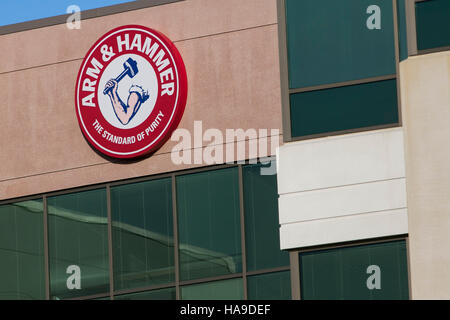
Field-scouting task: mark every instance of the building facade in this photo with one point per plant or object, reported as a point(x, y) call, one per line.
point(310, 161)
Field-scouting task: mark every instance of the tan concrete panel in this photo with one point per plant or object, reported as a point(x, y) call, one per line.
point(425, 87)
point(179, 21)
point(107, 172)
point(234, 80)
point(233, 83)
point(40, 123)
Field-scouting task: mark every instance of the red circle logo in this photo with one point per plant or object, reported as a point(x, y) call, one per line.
point(131, 92)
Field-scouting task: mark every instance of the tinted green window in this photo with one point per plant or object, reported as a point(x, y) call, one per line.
point(343, 108)
point(22, 275)
point(433, 24)
point(161, 294)
point(217, 290)
point(143, 247)
point(271, 286)
point(349, 273)
point(209, 224)
point(262, 237)
point(78, 238)
point(329, 41)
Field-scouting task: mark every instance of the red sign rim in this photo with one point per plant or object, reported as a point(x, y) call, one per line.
point(177, 109)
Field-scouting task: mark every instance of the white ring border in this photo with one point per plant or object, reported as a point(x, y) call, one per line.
point(82, 73)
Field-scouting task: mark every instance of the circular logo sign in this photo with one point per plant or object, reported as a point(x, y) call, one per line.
point(131, 92)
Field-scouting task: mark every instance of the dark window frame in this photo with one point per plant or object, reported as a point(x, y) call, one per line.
point(286, 91)
point(40, 253)
point(161, 285)
point(412, 31)
point(47, 236)
point(295, 260)
point(177, 283)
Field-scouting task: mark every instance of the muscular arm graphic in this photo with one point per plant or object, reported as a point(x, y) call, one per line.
point(124, 112)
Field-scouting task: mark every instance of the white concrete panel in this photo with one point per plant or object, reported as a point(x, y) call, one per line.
point(341, 201)
point(341, 160)
point(342, 229)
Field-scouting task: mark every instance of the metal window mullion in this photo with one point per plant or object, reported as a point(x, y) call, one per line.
point(110, 246)
point(433, 50)
point(344, 83)
point(397, 61)
point(408, 266)
point(354, 243)
point(269, 270)
point(76, 190)
point(140, 179)
point(115, 183)
point(211, 279)
point(144, 289)
point(295, 275)
point(284, 71)
point(90, 297)
point(46, 249)
point(175, 238)
point(347, 131)
point(411, 31)
point(242, 218)
point(20, 199)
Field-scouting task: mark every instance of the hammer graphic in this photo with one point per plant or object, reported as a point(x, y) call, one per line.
point(130, 69)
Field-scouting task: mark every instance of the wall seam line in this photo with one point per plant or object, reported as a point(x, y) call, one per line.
point(175, 42)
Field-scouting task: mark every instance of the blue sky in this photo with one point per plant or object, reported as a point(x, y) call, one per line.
point(15, 11)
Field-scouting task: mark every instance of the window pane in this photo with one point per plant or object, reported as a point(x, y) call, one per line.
point(344, 108)
point(271, 286)
point(377, 271)
point(161, 294)
point(262, 237)
point(329, 41)
point(142, 234)
point(78, 244)
point(22, 274)
point(209, 224)
point(433, 24)
point(217, 290)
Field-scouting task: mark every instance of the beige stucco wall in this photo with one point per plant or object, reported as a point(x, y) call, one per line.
point(230, 49)
point(425, 87)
